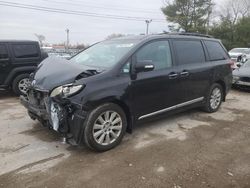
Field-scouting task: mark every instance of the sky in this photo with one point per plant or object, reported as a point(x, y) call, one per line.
point(20, 23)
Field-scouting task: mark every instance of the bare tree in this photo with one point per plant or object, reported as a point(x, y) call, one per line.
point(41, 38)
point(236, 9)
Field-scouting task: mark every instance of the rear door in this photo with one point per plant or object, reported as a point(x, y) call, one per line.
point(193, 67)
point(4, 62)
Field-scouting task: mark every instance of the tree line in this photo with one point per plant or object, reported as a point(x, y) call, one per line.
point(228, 21)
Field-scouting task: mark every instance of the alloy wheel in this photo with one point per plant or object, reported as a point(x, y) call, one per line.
point(107, 128)
point(215, 98)
point(23, 85)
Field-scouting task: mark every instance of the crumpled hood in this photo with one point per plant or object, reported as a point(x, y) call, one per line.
point(53, 72)
point(242, 72)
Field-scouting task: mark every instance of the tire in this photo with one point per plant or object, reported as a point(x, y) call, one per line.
point(16, 84)
point(214, 98)
point(93, 126)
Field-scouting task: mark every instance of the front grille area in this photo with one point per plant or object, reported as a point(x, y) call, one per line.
point(245, 79)
point(37, 97)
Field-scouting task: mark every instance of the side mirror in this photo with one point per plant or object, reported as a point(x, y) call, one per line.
point(144, 66)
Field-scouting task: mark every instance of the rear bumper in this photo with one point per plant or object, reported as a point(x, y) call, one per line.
point(67, 119)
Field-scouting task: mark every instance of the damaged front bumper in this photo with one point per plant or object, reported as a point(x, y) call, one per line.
point(61, 115)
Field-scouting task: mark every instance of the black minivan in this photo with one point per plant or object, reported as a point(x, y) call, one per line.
point(99, 94)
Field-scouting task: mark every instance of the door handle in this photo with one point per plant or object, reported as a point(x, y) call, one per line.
point(184, 74)
point(173, 75)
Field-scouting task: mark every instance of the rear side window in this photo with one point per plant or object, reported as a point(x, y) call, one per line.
point(215, 51)
point(188, 51)
point(3, 52)
point(25, 50)
point(158, 52)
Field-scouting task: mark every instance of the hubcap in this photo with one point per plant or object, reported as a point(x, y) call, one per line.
point(23, 85)
point(107, 128)
point(215, 98)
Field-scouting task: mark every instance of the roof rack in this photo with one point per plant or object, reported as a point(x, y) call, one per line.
point(189, 34)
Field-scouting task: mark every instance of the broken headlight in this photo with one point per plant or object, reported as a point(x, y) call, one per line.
point(66, 90)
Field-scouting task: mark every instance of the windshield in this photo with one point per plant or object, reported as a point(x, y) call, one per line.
point(104, 54)
point(239, 50)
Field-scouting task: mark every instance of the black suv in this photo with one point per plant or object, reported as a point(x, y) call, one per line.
point(17, 60)
point(99, 94)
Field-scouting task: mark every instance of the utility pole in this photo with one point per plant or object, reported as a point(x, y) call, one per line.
point(67, 43)
point(147, 23)
point(210, 6)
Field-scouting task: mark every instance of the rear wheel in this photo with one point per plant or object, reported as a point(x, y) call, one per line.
point(105, 127)
point(214, 98)
point(20, 84)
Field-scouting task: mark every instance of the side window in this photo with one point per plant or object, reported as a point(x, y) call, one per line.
point(126, 68)
point(25, 50)
point(3, 52)
point(215, 51)
point(158, 52)
point(188, 51)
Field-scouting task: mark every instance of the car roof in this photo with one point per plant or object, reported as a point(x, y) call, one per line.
point(160, 36)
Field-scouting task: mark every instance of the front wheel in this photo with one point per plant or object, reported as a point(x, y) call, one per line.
point(214, 98)
point(20, 84)
point(105, 127)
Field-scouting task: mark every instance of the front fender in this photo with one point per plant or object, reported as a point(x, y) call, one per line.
point(16, 71)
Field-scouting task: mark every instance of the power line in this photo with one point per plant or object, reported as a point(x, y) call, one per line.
point(112, 6)
point(73, 12)
point(104, 7)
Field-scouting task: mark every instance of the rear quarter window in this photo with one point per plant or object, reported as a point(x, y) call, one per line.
point(215, 51)
point(25, 50)
point(189, 51)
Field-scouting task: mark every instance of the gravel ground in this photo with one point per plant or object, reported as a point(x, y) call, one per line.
point(190, 149)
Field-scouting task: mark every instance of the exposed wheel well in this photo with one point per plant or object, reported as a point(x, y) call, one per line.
point(19, 73)
point(127, 112)
point(223, 85)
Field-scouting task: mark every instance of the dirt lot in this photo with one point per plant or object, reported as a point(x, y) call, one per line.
point(191, 149)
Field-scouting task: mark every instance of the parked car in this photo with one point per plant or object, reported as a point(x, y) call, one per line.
point(103, 91)
point(240, 54)
point(247, 53)
point(61, 55)
point(241, 76)
point(17, 60)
